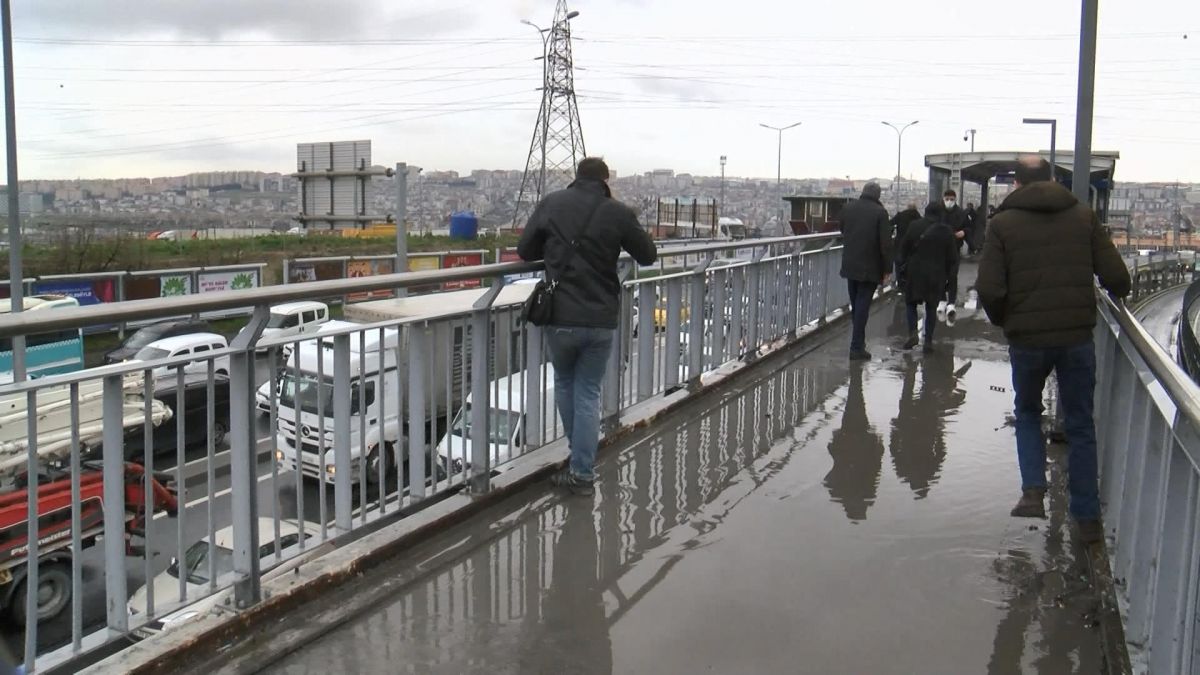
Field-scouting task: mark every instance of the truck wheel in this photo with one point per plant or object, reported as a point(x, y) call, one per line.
point(53, 593)
point(219, 431)
point(377, 461)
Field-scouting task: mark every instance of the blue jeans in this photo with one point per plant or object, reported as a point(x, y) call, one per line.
point(580, 358)
point(1076, 370)
point(861, 294)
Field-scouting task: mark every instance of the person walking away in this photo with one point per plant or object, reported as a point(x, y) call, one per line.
point(927, 257)
point(866, 260)
point(900, 223)
point(1041, 255)
point(956, 219)
point(580, 232)
point(971, 214)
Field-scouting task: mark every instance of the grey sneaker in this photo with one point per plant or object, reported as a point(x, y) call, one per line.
point(1031, 505)
point(572, 483)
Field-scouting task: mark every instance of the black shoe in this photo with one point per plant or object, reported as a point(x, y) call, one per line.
point(860, 355)
point(912, 341)
point(1091, 531)
point(572, 483)
point(928, 347)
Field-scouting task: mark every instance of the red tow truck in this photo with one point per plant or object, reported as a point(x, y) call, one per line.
point(54, 531)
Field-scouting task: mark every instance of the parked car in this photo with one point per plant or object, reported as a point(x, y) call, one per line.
point(195, 569)
point(155, 331)
point(193, 416)
point(194, 344)
point(295, 318)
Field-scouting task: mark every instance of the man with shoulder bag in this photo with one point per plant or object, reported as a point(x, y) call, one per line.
point(579, 232)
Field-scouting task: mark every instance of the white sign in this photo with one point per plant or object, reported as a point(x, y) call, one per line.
point(228, 281)
point(174, 284)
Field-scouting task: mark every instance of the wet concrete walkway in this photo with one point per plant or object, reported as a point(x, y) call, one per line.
point(1160, 317)
point(825, 518)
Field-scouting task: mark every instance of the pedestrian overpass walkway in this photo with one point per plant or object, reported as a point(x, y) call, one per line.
point(814, 516)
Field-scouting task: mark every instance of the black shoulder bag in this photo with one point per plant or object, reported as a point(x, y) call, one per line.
point(539, 308)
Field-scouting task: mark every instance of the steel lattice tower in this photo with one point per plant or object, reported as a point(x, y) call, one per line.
point(557, 143)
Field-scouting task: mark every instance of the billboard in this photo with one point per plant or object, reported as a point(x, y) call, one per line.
point(462, 260)
point(356, 269)
point(87, 292)
point(212, 282)
point(174, 284)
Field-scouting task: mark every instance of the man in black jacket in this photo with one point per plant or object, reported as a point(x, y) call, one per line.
point(956, 219)
point(580, 232)
point(1042, 255)
point(866, 260)
point(900, 223)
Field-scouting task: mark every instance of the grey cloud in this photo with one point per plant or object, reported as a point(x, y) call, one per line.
point(222, 19)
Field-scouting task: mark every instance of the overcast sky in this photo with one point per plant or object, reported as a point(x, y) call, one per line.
point(164, 87)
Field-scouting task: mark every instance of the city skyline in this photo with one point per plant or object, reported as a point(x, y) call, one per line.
point(170, 90)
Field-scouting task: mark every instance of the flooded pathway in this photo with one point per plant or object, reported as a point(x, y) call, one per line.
point(822, 518)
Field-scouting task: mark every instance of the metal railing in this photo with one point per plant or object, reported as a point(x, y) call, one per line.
point(221, 464)
point(1148, 431)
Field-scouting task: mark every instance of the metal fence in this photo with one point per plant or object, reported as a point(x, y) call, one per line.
point(1148, 429)
point(170, 486)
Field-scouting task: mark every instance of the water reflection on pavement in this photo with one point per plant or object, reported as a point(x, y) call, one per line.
point(763, 532)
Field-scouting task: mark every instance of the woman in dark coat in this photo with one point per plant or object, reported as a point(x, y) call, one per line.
point(927, 258)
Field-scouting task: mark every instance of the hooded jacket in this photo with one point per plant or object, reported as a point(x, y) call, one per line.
point(866, 237)
point(588, 291)
point(1041, 256)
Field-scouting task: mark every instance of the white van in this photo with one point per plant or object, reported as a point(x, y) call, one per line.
point(197, 344)
point(295, 318)
point(506, 422)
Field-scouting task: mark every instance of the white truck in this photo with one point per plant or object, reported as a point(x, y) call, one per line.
point(378, 425)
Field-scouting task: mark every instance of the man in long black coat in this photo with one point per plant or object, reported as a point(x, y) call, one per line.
point(866, 260)
point(928, 257)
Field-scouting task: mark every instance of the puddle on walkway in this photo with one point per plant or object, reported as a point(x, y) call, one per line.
point(826, 519)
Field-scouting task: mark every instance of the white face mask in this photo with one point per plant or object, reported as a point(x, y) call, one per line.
point(949, 203)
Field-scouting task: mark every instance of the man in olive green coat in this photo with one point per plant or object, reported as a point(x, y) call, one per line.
point(1041, 256)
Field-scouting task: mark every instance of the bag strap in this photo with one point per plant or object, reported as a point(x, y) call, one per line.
point(573, 244)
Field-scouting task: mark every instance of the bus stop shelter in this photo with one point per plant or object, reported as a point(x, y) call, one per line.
point(952, 170)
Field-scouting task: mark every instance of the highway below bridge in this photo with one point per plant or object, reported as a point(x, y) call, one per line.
point(811, 516)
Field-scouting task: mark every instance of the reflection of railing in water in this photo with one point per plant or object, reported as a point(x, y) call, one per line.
point(661, 489)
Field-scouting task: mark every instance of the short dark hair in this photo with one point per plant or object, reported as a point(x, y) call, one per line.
point(593, 168)
point(1032, 169)
point(950, 193)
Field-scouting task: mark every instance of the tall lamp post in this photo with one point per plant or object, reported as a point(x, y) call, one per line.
point(779, 163)
point(899, 145)
point(721, 206)
point(970, 132)
point(1053, 140)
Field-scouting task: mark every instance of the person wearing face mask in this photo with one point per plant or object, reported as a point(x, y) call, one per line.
point(955, 218)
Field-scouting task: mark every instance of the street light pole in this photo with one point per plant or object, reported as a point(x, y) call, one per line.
point(16, 276)
point(721, 206)
point(899, 145)
point(1081, 168)
point(1053, 141)
point(779, 163)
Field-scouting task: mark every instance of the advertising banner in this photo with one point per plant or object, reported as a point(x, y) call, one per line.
point(298, 274)
point(462, 260)
point(174, 284)
point(356, 269)
point(423, 263)
point(83, 291)
point(211, 282)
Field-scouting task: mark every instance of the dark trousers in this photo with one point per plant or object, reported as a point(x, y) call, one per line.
point(930, 321)
point(861, 294)
point(952, 284)
point(1076, 370)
